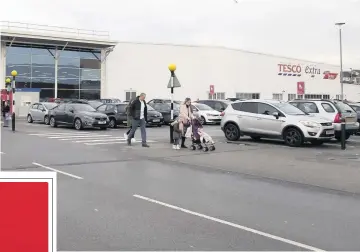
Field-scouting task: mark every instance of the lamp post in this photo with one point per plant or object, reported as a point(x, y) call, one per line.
point(13, 74)
point(341, 63)
point(172, 69)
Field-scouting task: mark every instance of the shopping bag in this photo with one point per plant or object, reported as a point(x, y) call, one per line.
point(8, 117)
point(188, 132)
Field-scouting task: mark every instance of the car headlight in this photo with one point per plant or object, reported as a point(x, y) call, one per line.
point(310, 124)
point(89, 118)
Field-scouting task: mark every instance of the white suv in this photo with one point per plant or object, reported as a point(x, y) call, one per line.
point(274, 119)
point(332, 110)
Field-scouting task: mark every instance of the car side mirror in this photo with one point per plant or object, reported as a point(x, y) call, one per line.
point(71, 110)
point(276, 115)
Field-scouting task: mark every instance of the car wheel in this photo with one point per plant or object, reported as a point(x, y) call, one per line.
point(159, 125)
point(316, 142)
point(112, 123)
point(202, 120)
point(29, 119)
point(232, 132)
point(46, 120)
point(78, 124)
point(53, 122)
point(255, 138)
point(293, 137)
point(103, 128)
point(338, 136)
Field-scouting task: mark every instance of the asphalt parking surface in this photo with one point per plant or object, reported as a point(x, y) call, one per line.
point(243, 196)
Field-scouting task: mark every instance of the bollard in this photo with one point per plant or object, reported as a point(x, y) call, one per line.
point(171, 134)
point(13, 122)
point(343, 134)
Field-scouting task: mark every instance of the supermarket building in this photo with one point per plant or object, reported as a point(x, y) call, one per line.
point(72, 63)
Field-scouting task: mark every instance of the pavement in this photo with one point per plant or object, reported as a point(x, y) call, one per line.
point(245, 195)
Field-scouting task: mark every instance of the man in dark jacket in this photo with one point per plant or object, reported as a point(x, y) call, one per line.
point(138, 112)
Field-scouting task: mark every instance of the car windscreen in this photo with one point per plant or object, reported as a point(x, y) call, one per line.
point(149, 107)
point(201, 106)
point(121, 107)
point(343, 107)
point(50, 105)
point(83, 107)
point(95, 104)
point(356, 108)
point(288, 108)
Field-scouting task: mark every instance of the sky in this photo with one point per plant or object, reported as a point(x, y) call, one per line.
point(303, 29)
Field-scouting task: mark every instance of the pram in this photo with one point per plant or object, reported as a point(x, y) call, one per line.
point(200, 140)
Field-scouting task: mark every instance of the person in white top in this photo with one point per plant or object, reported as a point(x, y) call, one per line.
point(138, 112)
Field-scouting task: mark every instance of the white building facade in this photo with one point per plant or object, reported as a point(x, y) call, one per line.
point(133, 68)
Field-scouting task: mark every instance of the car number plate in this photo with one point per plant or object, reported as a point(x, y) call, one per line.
point(124, 121)
point(102, 122)
point(350, 119)
point(330, 132)
point(156, 120)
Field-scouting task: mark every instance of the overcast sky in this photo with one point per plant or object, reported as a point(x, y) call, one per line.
point(294, 28)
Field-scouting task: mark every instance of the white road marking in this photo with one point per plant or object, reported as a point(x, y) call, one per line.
point(100, 140)
point(2, 153)
point(120, 142)
point(59, 134)
point(89, 138)
point(61, 172)
point(76, 136)
point(254, 231)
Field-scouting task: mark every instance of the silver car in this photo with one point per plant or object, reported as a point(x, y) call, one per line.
point(333, 110)
point(274, 119)
point(39, 112)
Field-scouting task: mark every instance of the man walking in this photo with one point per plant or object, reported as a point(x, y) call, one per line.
point(129, 121)
point(138, 112)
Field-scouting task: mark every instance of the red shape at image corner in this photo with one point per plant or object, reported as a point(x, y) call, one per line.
point(212, 89)
point(24, 216)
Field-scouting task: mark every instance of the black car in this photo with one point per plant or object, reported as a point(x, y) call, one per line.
point(78, 116)
point(164, 107)
point(154, 118)
point(219, 105)
point(116, 113)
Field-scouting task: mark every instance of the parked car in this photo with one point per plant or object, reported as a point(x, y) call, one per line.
point(93, 103)
point(206, 114)
point(219, 105)
point(39, 112)
point(233, 99)
point(164, 107)
point(333, 110)
point(154, 118)
point(78, 116)
point(274, 119)
point(111, 100)
point(356, 107)
point(116, 113)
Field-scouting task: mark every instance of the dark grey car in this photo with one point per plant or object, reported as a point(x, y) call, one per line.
point(219, 105)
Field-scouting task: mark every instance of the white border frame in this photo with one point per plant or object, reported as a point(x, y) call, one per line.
point(50, 178)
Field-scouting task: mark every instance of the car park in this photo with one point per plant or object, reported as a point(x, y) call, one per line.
point(164, 107)
point(333, 110)
point(206, 114)
point(39, 112)
point(274, 119)
point(219, 105)
point(78, 116)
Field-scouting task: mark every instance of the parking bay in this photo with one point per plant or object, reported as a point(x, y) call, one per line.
point(240, 183)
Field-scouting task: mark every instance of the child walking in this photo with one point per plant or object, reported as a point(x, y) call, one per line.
point(176, 135)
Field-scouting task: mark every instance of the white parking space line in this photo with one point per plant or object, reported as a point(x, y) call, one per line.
point(61, 172)
point(251, 230)
point(2, 153)
point(77, 136)
point(119, 142)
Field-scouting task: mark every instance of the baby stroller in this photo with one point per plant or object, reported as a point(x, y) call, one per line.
point(200, 139)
